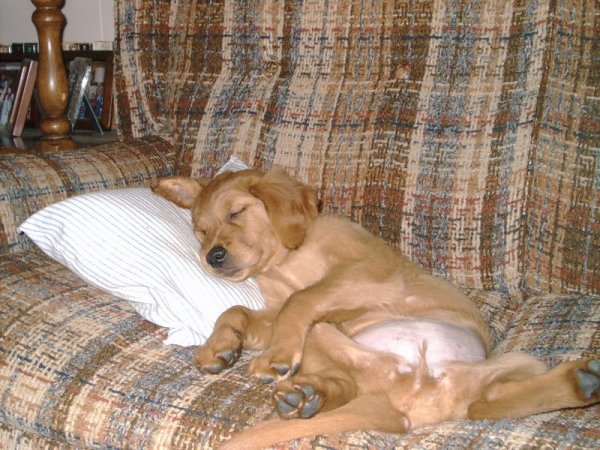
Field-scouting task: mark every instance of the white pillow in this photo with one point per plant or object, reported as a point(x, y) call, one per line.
point(141, 248)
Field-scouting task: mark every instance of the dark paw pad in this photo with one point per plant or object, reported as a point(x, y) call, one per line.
point(212, 369)
point(307, 389)
point(589, 382)
point(224, 360)
point(310, 407)
point(266, 379)
point(281, 369)
point(293, 399)
point(286, 407)
point(304, 402)
point(284, 369)
point(230, 357)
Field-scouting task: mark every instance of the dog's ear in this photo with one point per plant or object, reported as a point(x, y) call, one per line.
point(180, 190)
point(291, 205)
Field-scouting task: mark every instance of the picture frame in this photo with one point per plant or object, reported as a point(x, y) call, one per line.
point(12, 78)
point(99, 92)
point(96, 111)
point(80, 72)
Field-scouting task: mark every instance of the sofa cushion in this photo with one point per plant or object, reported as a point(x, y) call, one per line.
point(497, 310)
point(29, 181)
point(555, 328)
point(414, 121)
point(81, 368)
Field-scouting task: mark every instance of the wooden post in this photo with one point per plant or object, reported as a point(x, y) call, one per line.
point(52, 84)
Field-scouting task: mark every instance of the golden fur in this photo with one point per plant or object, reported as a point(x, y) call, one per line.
point(325, 280)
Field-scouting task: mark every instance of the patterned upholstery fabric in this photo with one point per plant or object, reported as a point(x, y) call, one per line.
point(422, 120)
point(116, 385)
point(398, 118)
point(31, 181)
point(563, 236)
point(464, 132)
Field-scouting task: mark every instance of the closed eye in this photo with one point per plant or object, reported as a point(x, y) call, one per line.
point(236, 212)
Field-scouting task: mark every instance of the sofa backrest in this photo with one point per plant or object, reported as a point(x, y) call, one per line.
point(563, 223)
point(30, 180)
point(429, 122)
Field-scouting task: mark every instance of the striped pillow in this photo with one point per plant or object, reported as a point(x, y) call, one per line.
point(141, 248)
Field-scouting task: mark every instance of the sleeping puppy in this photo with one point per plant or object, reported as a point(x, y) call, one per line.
point(354, 334)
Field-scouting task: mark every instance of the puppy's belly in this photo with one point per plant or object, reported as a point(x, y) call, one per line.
point(406, 338)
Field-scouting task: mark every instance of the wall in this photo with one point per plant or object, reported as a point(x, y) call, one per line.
point(87, 21)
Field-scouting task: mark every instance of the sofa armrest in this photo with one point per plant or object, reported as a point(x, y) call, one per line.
point(30, 181)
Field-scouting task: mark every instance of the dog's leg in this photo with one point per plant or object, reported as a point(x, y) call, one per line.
point(335, 299)
point(366, 412)
point(322, 383)
point(570, 384)
point(334, 371)
point(427, 399)
point(506, 386)
point(235, 329)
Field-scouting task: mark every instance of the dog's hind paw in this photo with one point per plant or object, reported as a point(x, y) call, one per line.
point(589, 379)
point(299, 400)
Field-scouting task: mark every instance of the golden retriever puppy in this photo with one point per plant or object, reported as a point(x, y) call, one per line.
point(355, 335)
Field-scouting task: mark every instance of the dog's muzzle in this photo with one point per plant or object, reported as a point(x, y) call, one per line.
point(216, 257)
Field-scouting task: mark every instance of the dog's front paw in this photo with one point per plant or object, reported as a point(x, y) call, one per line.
point(275, 364)
point(219, 352)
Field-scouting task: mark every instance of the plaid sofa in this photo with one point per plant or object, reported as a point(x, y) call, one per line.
point(465, 133)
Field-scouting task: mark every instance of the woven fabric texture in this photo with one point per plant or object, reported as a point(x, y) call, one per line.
point(466, 133)
point(31, 181)
point(422, 120)
point(563, 239)
point(117, 386)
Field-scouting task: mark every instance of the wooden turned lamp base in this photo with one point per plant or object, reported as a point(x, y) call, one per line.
point(56, 134)
point(52, 85)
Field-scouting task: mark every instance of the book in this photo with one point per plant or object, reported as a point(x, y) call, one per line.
point(23, 104)
point(18, 95)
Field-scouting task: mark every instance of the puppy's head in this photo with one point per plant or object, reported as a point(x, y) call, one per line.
point(245, 221)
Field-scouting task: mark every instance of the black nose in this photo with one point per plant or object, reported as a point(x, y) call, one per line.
point(216, 256)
